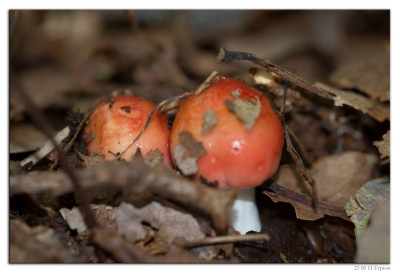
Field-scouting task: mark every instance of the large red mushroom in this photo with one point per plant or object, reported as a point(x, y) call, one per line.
point(230, 136)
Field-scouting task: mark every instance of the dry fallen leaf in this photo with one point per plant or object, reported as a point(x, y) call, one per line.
point(370, 75)
point(93, 159)
point(246, 111)
point(187, 152)
point(375, 109)
point(171, 225)
point(45, 86)
point(104, 215)
point(154, 157)
point(302, 204)
point(365, 200)
point(24, 137)
point(337, 178)
point(384, 145)
point(128, 225)
point(210, 119)
point(74, 219)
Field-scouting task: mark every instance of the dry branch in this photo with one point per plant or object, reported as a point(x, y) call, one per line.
point(134, 177)
point(227, 239)
point(229, 56)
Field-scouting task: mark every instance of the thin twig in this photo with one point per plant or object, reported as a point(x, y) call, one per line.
point(227, 239)
point(301, 169)
point(212, 78)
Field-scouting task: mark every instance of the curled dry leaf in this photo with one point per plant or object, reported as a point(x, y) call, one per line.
point(171, 224)
point(375, 109)
point(370, 75)
point(187, 152)
point(384, 145)
point(337, 178)
point(365, 201)
point(37, 244)
point(247, 111)
point(24, 137)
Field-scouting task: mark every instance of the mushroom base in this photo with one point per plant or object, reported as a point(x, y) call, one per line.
point(245, 216)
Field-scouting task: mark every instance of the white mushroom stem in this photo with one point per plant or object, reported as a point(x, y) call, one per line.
point(245, 216)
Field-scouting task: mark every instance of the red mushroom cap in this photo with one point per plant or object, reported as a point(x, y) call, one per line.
point(240, 152)
point(116, 121)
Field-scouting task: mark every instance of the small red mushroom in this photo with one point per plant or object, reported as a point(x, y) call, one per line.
point(116, 121)
point(240, 133)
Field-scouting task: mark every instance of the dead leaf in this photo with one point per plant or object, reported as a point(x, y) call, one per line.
point(302, 204)
point(37, 244)
point(365, 200)
point(375, 109)
point(25, 137)
point(373, 245)
point(247, 111)
point(337, 178)
point(370, 75)
point(45, 86)
point(171, 224)
point(104, 215)
point(210, 119)
point(384, 145)
point(74, 219)
point(129, 225)
point(154, 157)
point(187, 152)
point(93, 159)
